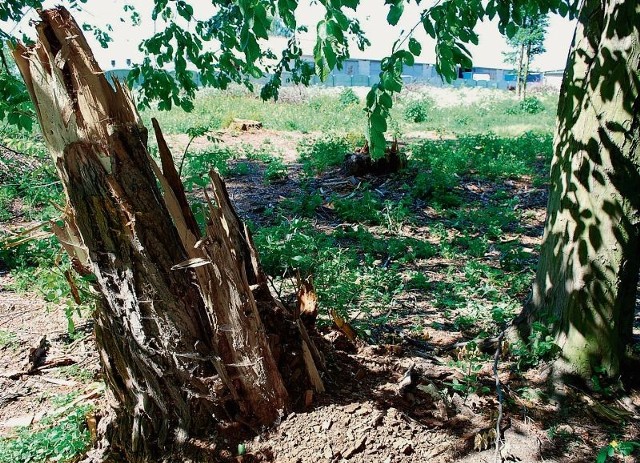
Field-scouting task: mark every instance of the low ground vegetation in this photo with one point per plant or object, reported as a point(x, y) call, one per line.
point(437, 254)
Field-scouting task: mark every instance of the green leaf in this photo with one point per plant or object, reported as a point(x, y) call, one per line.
point(408, 58)
point(378, 122)
point(625, 448)
point(185, 10)
point(563, 9)
point(321, 65)
point(377, 143)
point(391, 82)
point(491, 9)
point(385, 100)
point(335, 31)
point(261, 24)
point(329, 54)
point(414, 46)
point(394, 13)
point(371, 97)
point(428, 27)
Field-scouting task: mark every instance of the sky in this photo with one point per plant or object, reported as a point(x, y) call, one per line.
point(372, 16)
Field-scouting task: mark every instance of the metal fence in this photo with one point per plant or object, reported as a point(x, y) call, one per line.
point(344, 80)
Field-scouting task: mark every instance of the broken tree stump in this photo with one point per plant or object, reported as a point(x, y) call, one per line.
point(184, 319)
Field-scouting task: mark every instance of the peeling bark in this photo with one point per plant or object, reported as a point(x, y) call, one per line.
point(172, 336)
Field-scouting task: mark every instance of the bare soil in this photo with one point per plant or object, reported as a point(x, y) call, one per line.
point(371, 412)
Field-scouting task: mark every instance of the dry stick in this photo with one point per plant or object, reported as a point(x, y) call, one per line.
point(496, 358)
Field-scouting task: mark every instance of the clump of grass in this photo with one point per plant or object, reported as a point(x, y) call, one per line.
point(418, 110)
point(317, 154)
point(345, 279)
point(529, 105)
point(59, 440)
point(304, 205)
point(348, 97)
point(276, 170)
point(363, 208)
point(8, 339)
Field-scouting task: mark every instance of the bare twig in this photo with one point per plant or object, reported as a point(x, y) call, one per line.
point(496, 359)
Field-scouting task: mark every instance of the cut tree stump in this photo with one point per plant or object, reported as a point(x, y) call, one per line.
point(244, 125)
point(360, 163)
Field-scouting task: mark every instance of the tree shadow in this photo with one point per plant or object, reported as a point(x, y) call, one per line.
point(586, 282)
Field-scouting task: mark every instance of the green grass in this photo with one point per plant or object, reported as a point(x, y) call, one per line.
point(321, 111)
point(346, 279)
point(217, 109)
point(367, 262)
point(505, 117)
point(319, 153)
point(55, 439)
point(29, 185)
point(8, 339)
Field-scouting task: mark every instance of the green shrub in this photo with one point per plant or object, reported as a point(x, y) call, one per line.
point(366, 208)
point(276, 170)
point(348, 97)
point(317, 154)
point(539, 346)
point(418, 111)
point(197, 166)
point(304, 204)
point(530, 105)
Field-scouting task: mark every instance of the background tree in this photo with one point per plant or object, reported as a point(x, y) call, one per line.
point(526, 43)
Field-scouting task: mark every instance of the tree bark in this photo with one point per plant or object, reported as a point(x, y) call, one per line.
point(527, 60)
point(519, 75)
point(588, 270)
point(179, 316)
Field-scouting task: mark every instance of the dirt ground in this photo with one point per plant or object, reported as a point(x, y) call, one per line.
point(388, 402)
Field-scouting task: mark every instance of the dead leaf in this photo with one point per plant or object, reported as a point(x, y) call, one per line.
point(343, 325)
point(307, 301)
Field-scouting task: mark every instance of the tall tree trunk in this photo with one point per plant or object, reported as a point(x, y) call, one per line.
point(178, 323)
point(527, 61)
point(588, 270)
point(519, 74)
